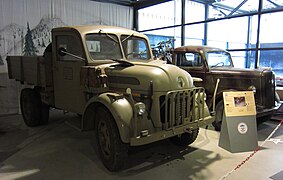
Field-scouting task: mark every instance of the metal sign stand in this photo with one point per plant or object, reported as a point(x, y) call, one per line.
point(239, 130)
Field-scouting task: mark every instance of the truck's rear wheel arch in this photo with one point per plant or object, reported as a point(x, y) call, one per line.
point(88, 120)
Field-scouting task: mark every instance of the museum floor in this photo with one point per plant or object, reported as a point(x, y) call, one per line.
point(58, 151)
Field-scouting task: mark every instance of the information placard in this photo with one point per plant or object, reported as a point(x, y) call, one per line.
point(240, 103)
point(238, 131)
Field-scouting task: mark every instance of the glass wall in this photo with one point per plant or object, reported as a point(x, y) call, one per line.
point(271, 37)
point(228, 33)
point(224, 8)
point(157, 36)
point(243, 59)
point(227, 24)
point(194, 12)
point(271, 4)
point(160, 15)
point(271, 29)
point(194, 34)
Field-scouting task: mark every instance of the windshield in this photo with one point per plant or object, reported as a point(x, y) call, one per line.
point(103, 46)
point(218, 59)
point(135, 48)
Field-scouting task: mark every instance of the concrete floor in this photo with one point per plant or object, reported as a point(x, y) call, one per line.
point(58, 151)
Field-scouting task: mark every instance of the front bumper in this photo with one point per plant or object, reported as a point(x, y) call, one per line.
point(267, 112)
point(164, 134)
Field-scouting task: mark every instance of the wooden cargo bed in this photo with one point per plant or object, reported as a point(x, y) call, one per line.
point(33, 70)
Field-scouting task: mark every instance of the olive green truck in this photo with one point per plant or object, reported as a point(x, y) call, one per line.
point(109, 76)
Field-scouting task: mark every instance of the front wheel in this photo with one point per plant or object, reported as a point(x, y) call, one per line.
point(113, 152)
point(186, 138)
point(218, 115)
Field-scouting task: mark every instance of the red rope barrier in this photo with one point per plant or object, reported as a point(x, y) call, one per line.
point(254, 152)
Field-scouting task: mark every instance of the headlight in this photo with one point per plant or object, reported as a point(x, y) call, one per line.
point(204, 96)
point(252, 88)
point(140, 108)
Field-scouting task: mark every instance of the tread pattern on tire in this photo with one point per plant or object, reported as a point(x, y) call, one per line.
point(119, 149)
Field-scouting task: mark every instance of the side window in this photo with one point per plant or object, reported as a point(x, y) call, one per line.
point(73, 46)
point(189, 59)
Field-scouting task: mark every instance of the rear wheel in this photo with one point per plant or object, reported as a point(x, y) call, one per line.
point(34, 112)
point(219, 110)
point(113, 152)
point(186, 138)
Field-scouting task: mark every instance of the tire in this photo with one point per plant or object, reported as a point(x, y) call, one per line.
point(218, 115)
point(34, 112)
point(112, 151)
point(186, 138)
point(44, 107)
point(44, 114)
point(263, 119)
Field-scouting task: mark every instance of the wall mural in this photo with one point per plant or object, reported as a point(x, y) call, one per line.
point(26, 26)
point(16, 39)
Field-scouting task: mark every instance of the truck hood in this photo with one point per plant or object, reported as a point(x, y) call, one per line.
point(237, 78)
point(232, 71)
point(138, 77)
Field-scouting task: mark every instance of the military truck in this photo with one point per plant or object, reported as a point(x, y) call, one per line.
point(109, 77)
point(210, 64)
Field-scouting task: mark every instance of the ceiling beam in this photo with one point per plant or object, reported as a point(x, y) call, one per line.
point(146, 3)
point(119, 2)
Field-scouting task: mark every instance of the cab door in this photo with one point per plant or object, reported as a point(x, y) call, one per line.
point(68, 93)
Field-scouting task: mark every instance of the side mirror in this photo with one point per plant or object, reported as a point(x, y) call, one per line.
point(62, 51)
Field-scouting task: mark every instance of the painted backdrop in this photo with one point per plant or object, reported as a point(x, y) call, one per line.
point(25, 25)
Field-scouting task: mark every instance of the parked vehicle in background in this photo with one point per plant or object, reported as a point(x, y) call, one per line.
point(210, 64)
point(109, 76)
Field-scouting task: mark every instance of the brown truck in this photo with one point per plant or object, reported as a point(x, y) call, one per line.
point(210, 64)
point(108, 75)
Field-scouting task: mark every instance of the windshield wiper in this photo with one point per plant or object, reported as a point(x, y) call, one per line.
point(113, 39)
point(220, 64)
point(123, 62)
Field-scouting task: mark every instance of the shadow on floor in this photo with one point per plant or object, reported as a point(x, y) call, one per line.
point(61, 152)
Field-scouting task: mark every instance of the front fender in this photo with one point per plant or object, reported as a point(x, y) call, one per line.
point(119, 107)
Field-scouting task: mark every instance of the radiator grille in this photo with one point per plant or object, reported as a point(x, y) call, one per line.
point(182, 107)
